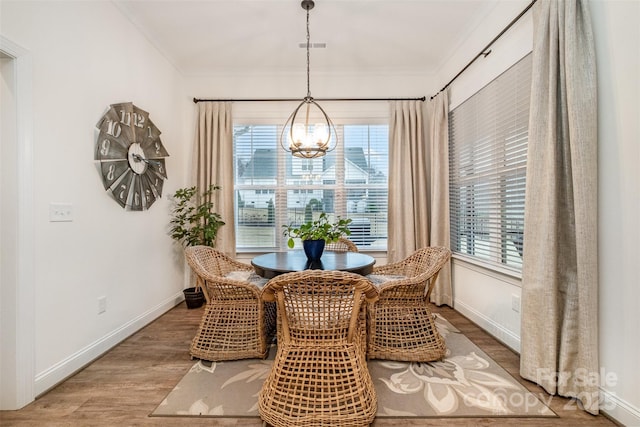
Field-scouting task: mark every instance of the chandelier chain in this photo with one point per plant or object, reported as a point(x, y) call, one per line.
point(308, 58)
point(307, 137)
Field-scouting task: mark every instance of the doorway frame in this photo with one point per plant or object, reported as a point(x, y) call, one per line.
point(21, 392)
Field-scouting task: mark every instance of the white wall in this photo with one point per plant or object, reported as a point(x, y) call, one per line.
point(486, 297)
point(86, 56)
point(615, 25)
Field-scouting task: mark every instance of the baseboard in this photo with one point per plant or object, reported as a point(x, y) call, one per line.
point(611, 405)
point(64, 369)
point(502, 334)
point(619, 410)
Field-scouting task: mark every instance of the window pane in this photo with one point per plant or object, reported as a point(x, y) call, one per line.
point(366, 184)
point(256, 181)
point(274, 188)
point(488, 137)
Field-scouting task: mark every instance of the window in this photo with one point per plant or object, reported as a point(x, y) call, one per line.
point(488, 137)
point(273, 188)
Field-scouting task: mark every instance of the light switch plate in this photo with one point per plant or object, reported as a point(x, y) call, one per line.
point(60, 212)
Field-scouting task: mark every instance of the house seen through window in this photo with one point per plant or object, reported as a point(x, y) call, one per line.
point(273, 188)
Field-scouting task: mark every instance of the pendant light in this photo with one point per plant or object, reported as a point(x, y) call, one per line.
point(308, 132)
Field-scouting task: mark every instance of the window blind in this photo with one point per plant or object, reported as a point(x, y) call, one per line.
point(273, 188)
point(488, 136)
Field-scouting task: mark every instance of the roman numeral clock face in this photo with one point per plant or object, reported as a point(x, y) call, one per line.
point(131, 156)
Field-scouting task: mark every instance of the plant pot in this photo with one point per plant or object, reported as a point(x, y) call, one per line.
point(313, 249)
point(194, 298)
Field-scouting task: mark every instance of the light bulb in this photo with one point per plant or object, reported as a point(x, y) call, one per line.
point(308, 143)
point(321, 134)
point(298, 135)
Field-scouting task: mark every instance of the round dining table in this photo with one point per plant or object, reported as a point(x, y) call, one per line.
point(272, 264)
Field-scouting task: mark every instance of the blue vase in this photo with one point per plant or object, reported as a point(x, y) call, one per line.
point(313, 249)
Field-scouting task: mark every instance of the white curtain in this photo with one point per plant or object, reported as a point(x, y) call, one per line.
point(419, 184)
point(213, 165)
point(438, 190)
point(407, 213)
point(559, 348)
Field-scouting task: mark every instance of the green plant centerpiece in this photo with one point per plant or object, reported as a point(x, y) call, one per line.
point(316, 233)
point(194, 222)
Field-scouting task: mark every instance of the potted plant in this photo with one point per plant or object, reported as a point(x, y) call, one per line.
point(194, 222)
point(316, 233)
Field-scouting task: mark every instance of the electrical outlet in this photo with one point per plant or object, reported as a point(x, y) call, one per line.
point(102, 305)
point(515, 303)
point(60, 212)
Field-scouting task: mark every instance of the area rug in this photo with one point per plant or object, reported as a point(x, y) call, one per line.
point(467, 383)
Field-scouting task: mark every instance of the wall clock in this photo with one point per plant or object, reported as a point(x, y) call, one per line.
point(131, 156)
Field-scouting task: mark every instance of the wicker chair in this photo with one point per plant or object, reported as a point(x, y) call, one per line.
point(319, 376)
point(400, 324)
point(342, 245)
point(236, 323)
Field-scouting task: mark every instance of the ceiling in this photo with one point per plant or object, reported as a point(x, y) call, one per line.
point(263, 36)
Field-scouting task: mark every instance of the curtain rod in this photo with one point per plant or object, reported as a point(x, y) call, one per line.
point(196, 100)
point(484, 51)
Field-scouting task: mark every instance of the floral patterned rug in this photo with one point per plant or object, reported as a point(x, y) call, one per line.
point(467, 383)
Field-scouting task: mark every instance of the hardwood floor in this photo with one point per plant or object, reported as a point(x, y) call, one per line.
point(126, 384)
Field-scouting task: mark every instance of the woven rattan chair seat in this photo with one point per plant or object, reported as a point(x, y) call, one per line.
point(400, 323)
point(319, 376)
point(236, 323)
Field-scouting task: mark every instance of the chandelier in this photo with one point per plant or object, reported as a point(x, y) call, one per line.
point(308, 132)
